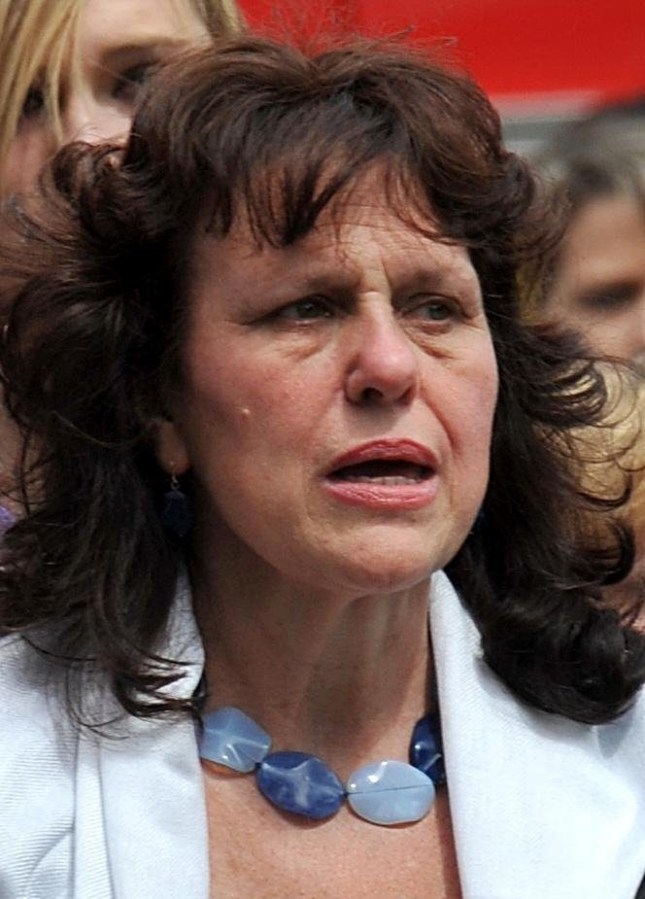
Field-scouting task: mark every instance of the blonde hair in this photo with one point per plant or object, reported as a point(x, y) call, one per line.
point(612, 457)
point(36, 38)
point(221, 17)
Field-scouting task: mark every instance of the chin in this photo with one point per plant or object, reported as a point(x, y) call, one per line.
point(393, 582)
point(391, 560)
point(387, 574)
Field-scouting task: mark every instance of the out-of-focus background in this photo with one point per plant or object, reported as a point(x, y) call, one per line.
point(544, 62)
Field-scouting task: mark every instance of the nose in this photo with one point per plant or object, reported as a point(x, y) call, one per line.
point(384, 363)
point(90, 119)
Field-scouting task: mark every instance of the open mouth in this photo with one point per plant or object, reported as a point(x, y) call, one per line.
point(388, 472)
point(392, 475)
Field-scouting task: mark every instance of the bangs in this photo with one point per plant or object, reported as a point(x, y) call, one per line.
point(281, 204)
point(259, 134)
point(278, 164)
point(279, 168)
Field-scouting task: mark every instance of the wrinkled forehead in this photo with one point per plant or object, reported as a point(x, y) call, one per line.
point(364, 227)
point(280, 205)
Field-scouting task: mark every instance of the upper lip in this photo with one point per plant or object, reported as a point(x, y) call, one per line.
point(386, 449)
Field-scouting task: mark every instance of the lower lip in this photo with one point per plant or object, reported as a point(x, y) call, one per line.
point(397, 497)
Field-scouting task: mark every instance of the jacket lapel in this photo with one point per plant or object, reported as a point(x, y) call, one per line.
point(141, 825)
point(541, 806)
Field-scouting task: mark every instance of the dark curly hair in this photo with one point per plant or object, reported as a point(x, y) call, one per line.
point(274, 134)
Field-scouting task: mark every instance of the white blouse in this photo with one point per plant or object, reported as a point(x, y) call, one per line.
point(542, 808)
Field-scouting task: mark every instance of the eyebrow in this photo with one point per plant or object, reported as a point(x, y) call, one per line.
point(122, 53)
point(321, 279)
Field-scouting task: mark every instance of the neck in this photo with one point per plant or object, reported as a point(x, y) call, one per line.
point(339, 676)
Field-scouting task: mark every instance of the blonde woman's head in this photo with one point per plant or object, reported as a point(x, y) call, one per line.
point(70, 69)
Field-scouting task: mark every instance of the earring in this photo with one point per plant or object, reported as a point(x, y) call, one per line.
point(177, 513)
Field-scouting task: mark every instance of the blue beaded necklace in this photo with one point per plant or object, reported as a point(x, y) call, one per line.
point(386, 792)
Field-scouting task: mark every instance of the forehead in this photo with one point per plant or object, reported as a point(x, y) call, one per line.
point(358, 230)
point(280, 210)
point(605, 214)
point(106, 25)
point(608, 233)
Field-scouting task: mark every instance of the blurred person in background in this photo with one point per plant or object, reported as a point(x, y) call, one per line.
point(597, 168)
point(71, 70)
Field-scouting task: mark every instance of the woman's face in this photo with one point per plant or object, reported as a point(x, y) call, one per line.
point(337, 401)
point(599, 287)
point(119, 42)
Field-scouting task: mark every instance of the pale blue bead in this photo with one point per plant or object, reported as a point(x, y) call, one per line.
point(390, 792)
point(233, 739)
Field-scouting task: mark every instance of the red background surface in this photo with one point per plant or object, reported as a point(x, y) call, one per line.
point(516, 49)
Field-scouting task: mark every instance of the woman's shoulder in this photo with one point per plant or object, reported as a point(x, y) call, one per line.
point(32, 714)
point(37, 749)
point(24, 671)
point(18, 666)
point(34, 729)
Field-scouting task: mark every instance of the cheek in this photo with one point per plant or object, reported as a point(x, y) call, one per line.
point(27, 155)
point(476, 386)
point(621, 334)
point(469, 426)
point(249, 409)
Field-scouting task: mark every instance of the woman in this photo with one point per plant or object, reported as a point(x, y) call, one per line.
point(295, 290)
point(71, 69)
point(598, 283)
point(597, 289)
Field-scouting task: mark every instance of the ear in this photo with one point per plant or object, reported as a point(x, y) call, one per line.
point(170, 449)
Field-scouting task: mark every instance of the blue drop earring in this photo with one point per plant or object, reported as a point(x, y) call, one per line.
point(176, 513)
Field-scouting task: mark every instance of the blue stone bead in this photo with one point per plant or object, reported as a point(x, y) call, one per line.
point(300, 783)
point(233, 739)
point(390, 793)
point(426, 752)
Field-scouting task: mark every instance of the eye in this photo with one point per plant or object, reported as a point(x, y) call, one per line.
point(611, 299)
point(432, 309)
point(129, 83)
point(306, 309)
point(34, 103)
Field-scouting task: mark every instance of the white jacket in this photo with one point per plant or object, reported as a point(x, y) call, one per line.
point(542, 808)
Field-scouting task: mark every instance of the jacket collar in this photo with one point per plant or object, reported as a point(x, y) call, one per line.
point(541, 806)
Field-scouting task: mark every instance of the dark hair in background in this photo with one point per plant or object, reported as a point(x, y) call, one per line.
point(583, 177)
point(265, 132)
point(613, 130)
point(600, 155)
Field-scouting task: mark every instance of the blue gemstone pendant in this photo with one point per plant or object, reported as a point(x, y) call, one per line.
point(300, 783)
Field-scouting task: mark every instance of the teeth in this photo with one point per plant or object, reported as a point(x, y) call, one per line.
point(391, 481)
point(378, 471)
